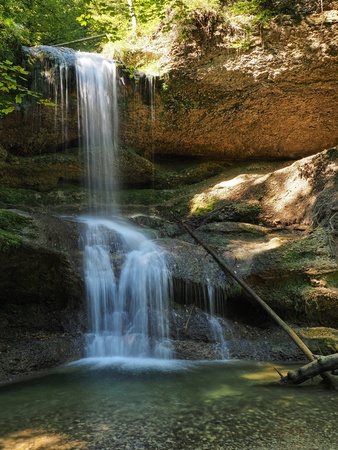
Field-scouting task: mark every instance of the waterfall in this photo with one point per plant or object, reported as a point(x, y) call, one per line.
point(127, 305)
point(215, 325)
point(55, 66)
point(150, 79)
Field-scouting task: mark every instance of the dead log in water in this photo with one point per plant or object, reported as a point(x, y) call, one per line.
point(318, 367)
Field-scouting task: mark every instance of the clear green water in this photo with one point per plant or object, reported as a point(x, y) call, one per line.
point(173, 405)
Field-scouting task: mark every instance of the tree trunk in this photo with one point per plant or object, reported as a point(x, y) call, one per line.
point(132, 15)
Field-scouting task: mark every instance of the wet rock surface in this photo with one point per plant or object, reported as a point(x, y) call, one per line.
point(193, 339)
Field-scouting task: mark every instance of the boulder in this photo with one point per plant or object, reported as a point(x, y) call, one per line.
point(41, 293)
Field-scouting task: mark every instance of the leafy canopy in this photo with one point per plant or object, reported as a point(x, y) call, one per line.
point(45, 22)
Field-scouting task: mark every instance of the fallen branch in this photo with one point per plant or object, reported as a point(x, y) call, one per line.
point(189, 318)
point(301, 345)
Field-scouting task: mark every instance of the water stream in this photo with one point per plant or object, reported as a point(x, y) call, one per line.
point(215, 324)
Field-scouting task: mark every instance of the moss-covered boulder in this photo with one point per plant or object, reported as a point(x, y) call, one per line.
point(321, 340)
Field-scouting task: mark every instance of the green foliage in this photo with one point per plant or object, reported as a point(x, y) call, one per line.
point(31, 22)
point(116, 17)
point(13, 90)
point(150, 11)
point(130, 25)
point(200, 5)
point(255, 10)
point(10, 39)
point(46, 22)
point(244, 18)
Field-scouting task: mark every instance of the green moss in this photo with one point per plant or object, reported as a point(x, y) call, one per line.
point(12, 222)
point(331, 279)
point(245, 212)
point(10, 196)
point(145, 197)
point(8, 241)
point(11, 229)
point(203, 206)
point(225, 211)
point(51, 200)
point(312, 251)
point(321, 340)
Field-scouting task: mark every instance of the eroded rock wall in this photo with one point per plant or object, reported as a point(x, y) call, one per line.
point(276, 100)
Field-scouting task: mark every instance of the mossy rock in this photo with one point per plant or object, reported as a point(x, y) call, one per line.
point(145, 197)
point(41, 292)
point(41, 172)
point(13, 221)
point(321, 306)
point(213, 211)
point(310, 251)
point(161, 227)
point(13, 226)
point(321, 340)
point(41, 286)
point(235, 228)
point(193, 175)
point(66, 198)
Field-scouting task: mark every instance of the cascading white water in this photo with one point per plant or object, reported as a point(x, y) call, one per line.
point(215, 325)
point(98, 124)
point(128, 314)
point(151, 85)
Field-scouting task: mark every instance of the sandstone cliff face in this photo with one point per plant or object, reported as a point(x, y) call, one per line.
point(276, 100)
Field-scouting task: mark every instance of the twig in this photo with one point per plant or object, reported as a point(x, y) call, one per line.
point(81, 40)
point(279, 373)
